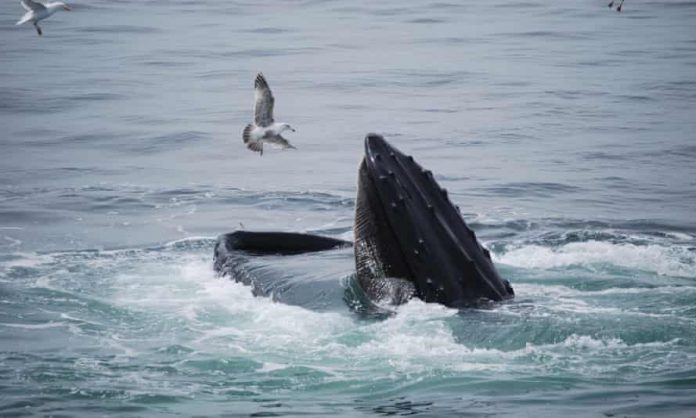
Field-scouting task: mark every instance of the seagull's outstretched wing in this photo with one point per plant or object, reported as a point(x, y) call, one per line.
point(32, 6)
point(27, 17)
point(263, 111)
point(279, 141)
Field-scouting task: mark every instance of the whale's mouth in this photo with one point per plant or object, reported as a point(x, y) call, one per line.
point(407, 228)
point(410, 240)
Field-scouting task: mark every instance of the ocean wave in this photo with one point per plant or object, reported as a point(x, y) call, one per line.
point(663, 260)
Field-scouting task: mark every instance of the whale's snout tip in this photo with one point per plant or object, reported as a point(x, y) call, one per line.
point(373, 139)
point(376, 144)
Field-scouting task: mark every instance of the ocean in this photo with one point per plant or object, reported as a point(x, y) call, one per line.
point(565, 131)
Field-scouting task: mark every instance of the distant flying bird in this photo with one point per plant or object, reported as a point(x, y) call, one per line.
point(618, 8)
point(264, 129)
point(38, 11)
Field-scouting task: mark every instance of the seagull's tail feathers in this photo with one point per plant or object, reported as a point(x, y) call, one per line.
point(27, 17)
point(246, 134)
point(256, 147)
point(251, 144)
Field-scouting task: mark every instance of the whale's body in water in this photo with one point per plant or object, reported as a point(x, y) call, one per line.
point(410, 240)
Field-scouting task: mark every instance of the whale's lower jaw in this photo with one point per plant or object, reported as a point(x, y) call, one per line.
point(406, 228)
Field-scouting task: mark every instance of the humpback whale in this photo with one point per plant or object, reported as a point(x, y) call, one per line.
point(410, 240)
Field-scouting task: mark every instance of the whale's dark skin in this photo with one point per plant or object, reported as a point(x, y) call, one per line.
point(409, 238)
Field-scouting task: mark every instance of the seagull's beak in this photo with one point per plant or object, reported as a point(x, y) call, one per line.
point(67, 8)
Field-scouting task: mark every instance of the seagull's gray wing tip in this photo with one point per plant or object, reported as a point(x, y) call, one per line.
point(260, 82)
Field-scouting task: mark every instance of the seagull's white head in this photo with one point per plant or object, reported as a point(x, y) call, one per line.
point(286, 127)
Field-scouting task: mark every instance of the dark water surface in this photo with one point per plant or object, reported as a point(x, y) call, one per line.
point(565, 131)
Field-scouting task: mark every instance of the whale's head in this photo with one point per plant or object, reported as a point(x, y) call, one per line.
point(408, 230)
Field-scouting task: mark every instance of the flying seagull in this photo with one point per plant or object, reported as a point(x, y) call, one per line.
point(38, 11)
point(264, 129)
point(618, 8)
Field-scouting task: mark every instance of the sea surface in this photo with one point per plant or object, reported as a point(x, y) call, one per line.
point(565, 131)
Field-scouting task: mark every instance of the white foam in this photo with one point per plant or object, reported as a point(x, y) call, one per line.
point(586, 342)
point(29, 260)
point(271, 367)
point(13, 242)
point(419, 339)
point(559, 291)
point(223, 313)
point(186, 240)
point(219, 317)
point(45, 325)
point(227, 319)
point(679, 236)
point(670, 261)
point(557, 301)
point(575, 343)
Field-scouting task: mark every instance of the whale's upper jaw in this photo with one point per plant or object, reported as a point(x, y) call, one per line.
point(406, 227)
